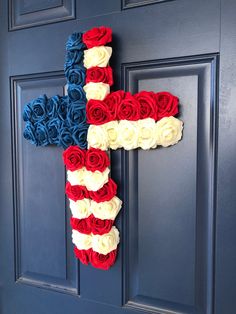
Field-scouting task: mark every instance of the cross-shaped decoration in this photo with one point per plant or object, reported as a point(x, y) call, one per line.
point(86, 123)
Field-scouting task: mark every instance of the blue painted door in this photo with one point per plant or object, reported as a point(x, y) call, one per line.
point(178, 223)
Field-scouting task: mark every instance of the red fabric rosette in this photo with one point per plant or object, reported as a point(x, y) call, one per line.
point(97, 112)
point(96, 159)
point(76, 192)
point(99, 75)
point(97, 36)
point(83, 255)
point(106, 193)
point(99, 226)
point(147, 103)
point(128, 108)
point(81, 225)
point(112, 101)
point(167, 105)
point(74, 158)
point(103, 261)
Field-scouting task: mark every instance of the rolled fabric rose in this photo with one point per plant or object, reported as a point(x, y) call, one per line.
point(83, 255)
point(29, 133)
point(95, 180)
point(96, 90)
point(81, 240)
point(99, 226)
point(106, 210)
point(81, 208)
point(97, 56)
point(147, 133)
point(41, 134)
point(76, 192)
point(97, 137)
point(106, 193)
point(168, 131)
point(53, 127)
point(107, 242)
point(75, 74)
point(112, 130)
point(76, 92)
point(81, 225)
point(79, 135)
point(128, 109)
point(102, 261)
point(167, 105)
point(98, 74)
point(97, 36)
point(65, 138)
point(75, 42)
point(96, 159)
point(97, 112)
point(113, 101)
point(74, 158)
point(76, 177)
point(147, 103)
point(128, 134)
point(35, 111)
point(76, 114)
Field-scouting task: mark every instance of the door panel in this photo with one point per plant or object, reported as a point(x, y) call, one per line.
point(169, 193)
point(177, 234)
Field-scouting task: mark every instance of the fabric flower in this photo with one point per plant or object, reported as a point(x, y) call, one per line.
point(73, 57)
point(95, 180)
point(81, 208)
point(128, 134)
point(168, 131)
point(102, 261)
point(147, 103)
point(52, 107)
point(81, 225)
point(53, 128)
point(107, 242)
point(65, 138)
point(79, 135)
point(99, 226)
point(96, 90)
point(97, 112)
point(76, 177)
point(83, 255)
point(75, 74)
point(76, 192)
point(76, 92)
point(38, 110)
point(27, 113)
point(97, 137)
point(75, 42)
point(74, 158)
point(97, 56)
point(81, 240)
point(76, 113)
point(97, 36)
point(29, 133)
point(106, 193)
point(62, 108)
point(96, 159)
point(106, 210)
point(41, 134)
point(128, 109)
point(167, 105)
point(97, 74)
point(113, 100)
point(112, 128)
point(146, 133)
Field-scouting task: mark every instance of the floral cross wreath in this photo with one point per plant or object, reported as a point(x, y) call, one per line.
point(86, 123)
